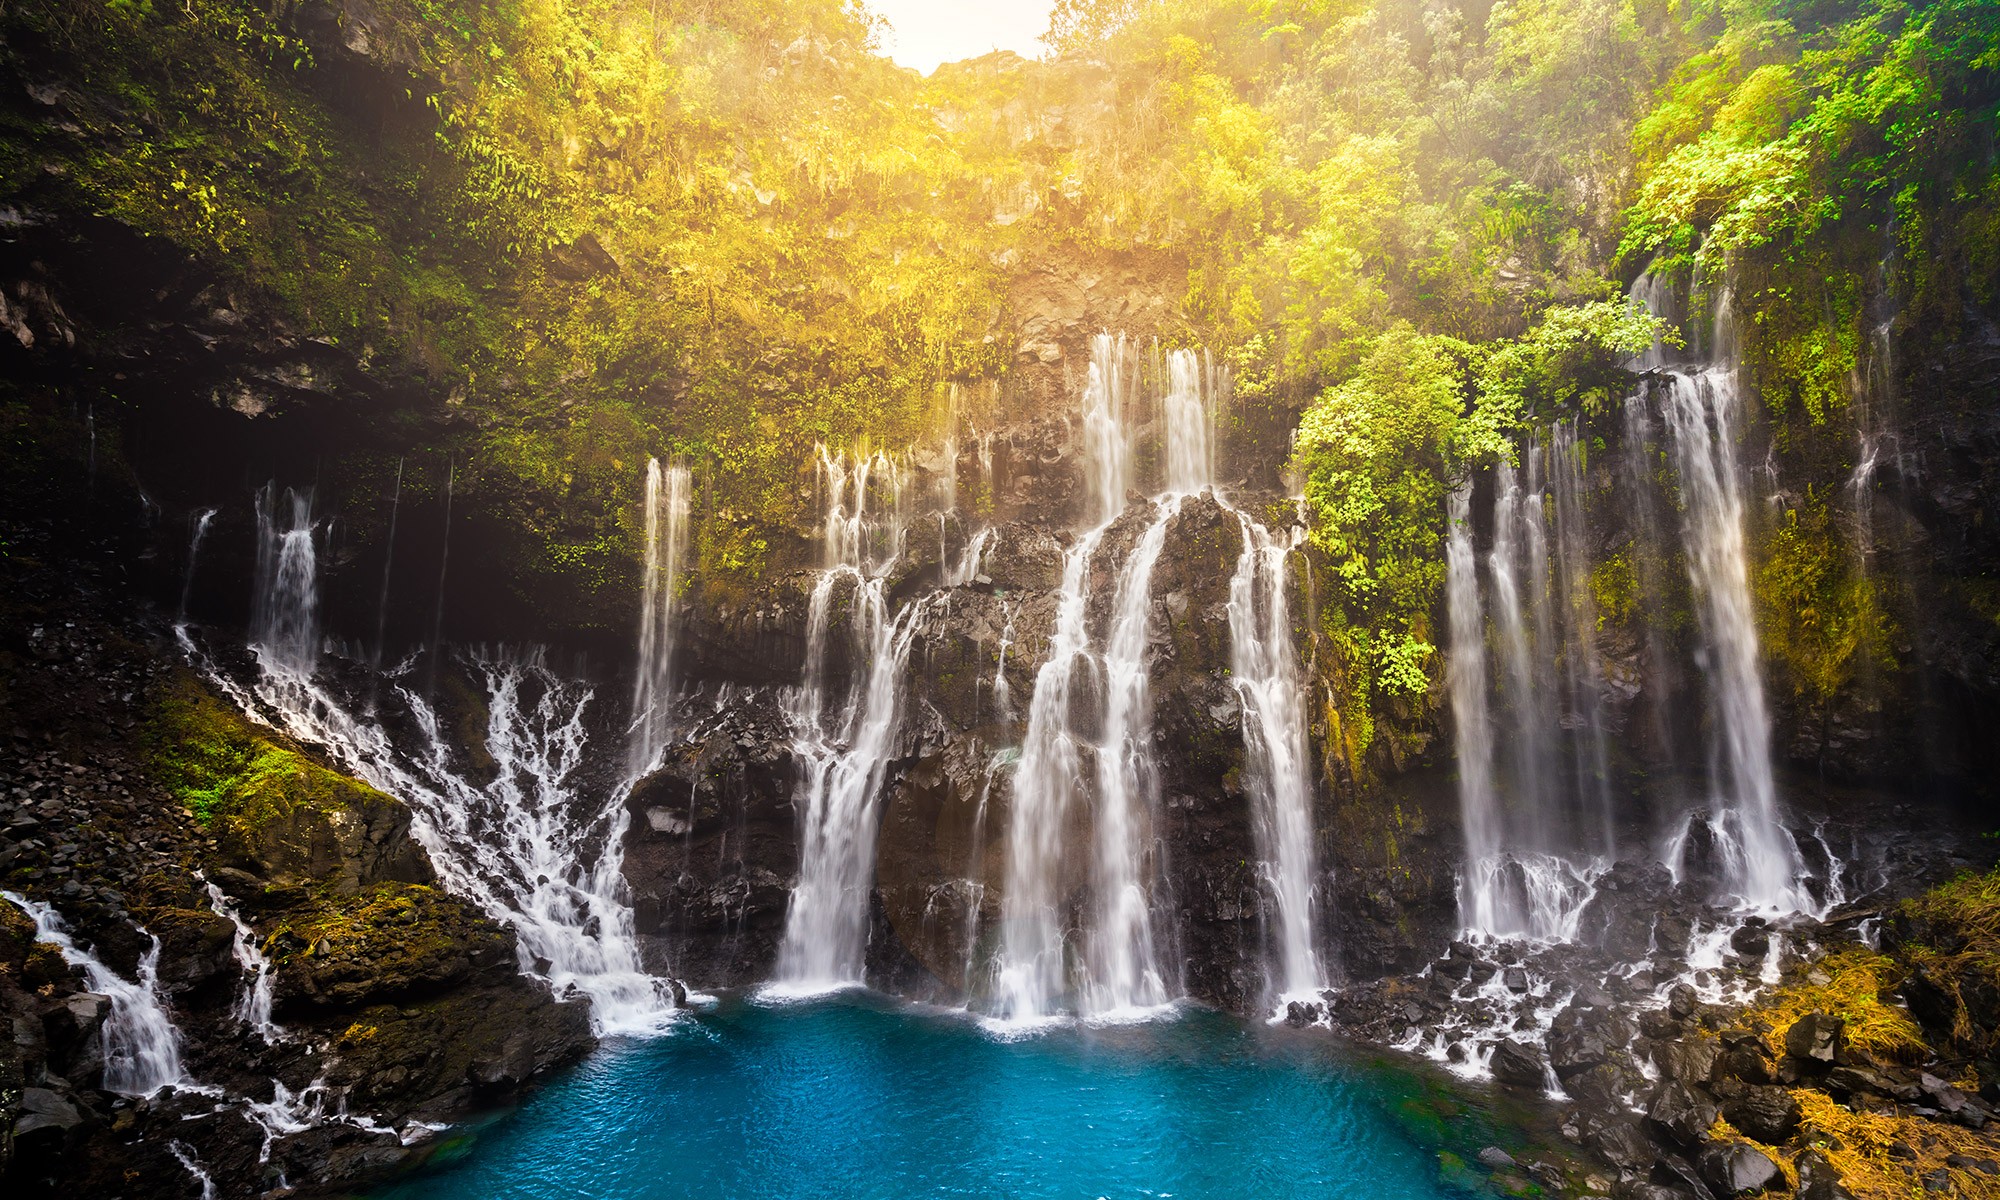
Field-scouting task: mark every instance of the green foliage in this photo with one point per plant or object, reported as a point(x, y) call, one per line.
point(1380, 451)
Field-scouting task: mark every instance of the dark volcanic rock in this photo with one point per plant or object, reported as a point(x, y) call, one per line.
point(1520, 1064)
point(1735, 1169)
point(1680, 1113)
point(1768, 1114)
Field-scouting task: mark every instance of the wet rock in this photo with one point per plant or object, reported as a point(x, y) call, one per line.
point(1680, 1113)
point(1494, 1158)
point(1682, 1002)
point(1818, 1180)
point(46, 1117)
point(1691, 1062)
point(1582, 1038)
point(1744, 1058)
point(1736, 1169)
point(1623, 1145)
point(1520, 1064)
point(1767, 1114)
point(1516, 980)
point(1816, 1038)
point(1300, 1013)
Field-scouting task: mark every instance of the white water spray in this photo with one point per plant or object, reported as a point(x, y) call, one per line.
point(142, 1049)
point(667, 502)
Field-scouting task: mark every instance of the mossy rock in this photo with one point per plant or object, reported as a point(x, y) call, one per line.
point(275, 812)
point(395, 941)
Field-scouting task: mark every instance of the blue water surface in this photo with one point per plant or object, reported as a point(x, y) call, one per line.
point(855, 1096)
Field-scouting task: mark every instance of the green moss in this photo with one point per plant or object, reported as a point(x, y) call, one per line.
point(224, 769)
point(1614, 585)
point(1818, 609)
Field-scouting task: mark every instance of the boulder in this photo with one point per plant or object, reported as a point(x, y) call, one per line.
point(1680, 1113)
point(1623, 1145)
point(1816, 1038)
point(1818, 1180)
point(1520, 1064)
point(1582, 1038)
point(1494, 1158)
point(1738, 1169)
point(1767, 1114)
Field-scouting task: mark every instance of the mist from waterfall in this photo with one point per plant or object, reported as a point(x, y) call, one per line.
point(842, 742)
point(667, 505)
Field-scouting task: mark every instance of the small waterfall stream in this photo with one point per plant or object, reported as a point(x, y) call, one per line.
point(142, 1049)
point(199, 531)
point(254, 998)
point(843, 748)
point(1278, 755)
point(284, 620)
point(667, 502)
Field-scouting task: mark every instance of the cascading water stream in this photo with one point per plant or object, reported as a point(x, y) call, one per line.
point(142, 1049)
point(668, 491)
point(1122, 953)
point(1703, 409)
point(254, 998)
point(284, 620)
point(843, 752)
point(1264, 665)
point(1119, 970)
point(532, 847)
point(1482, 906)
point(200, 531)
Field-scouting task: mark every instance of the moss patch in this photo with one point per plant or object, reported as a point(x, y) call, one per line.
point(224, 769)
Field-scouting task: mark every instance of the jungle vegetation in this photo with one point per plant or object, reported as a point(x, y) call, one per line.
point(601, 229)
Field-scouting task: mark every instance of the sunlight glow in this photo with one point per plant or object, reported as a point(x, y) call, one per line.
point(924, 33)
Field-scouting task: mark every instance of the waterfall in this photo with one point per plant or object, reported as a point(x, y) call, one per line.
point(667, 506)
point(1119, 970)
point(1583, 710)
point(1472, 722)
point(284, 621)
point(142, 1049)
point(1277, 754)
point(1515, 564)
point(1123, 958)
point(843, 750)
point(200, 531)
point(1112, 375)
point(388, 562)
point(1703, 410)
point(533, 848)
point(1029, 978)
point(253, 1000)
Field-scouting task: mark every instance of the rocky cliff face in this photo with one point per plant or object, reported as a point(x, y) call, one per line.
point(393, 1000)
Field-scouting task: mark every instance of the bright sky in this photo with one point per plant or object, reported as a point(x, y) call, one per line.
point(924, 33)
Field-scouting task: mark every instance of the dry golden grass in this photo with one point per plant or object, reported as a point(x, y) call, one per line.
point(1858, 1145)
point(1859, 976)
